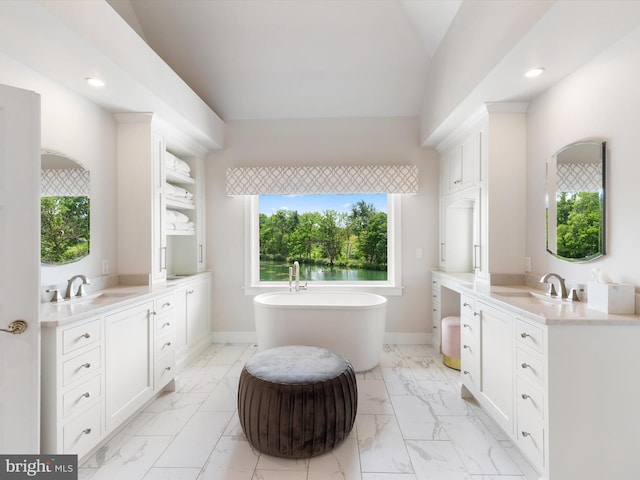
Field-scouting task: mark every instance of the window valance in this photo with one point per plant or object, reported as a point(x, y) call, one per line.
point(67, 182)
point(322, 179)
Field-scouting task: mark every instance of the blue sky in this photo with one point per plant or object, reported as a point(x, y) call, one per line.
point(270, 204)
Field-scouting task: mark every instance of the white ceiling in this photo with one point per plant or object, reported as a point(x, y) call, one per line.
point(250, 59)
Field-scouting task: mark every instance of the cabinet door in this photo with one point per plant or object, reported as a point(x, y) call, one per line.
point(497, 364)
point(159, 239)
point(469, 161)
point(129, 372)
point(198, 325)
point(454, 169)
point(200, 216)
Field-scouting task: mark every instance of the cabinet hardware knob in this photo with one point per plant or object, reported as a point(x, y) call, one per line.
point(86, 394)
point(168, 304)
point(476, 314)
point(466, 325)
point(85, 365)
point(466, 346)
point(168, 344)
point(86, 335)
point(524, 335)
point(167, 324)
point(525, 396)
point(189, 292)
point(466, 372)
point(86, 431)
point(435, 310)
point(153, 312)
point(465, 304)
point(167, 368)
point(525, 433)
point(434, 296)
point(525, 365)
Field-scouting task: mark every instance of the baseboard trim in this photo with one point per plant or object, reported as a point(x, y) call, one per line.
point(389, 337)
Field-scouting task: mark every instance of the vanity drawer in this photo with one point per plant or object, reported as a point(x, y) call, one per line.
point(81, 396)
point(530, 366)
point(164, 344)
point(529, 400)
point(82, 433)
point(530, 439)
point(80, 336)
point(81, 366)
point(530, 335)
point(164, 370)
point(164, 304)
point(164, 324)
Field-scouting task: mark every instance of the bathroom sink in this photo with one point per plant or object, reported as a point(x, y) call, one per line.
point(99, 298)
point(531, 298)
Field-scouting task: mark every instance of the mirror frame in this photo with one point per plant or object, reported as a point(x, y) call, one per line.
point(551, 196)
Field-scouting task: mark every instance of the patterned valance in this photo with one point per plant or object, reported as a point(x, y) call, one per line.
point(67, 182)
point(579, 177)
point(327, 179)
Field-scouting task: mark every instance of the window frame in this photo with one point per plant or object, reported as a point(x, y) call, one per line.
point(392, 286)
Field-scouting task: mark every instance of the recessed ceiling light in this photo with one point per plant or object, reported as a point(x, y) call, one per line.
point(94, 82)
point(534, 72)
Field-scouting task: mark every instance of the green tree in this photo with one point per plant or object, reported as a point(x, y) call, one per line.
point(330, 236)
point(373, 240)
point(579, 224)
point(64, 229)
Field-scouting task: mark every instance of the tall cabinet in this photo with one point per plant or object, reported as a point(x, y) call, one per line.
point(482, 193)
point(154, 198)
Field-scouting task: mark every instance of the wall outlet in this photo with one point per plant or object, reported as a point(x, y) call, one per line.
point(527, 264)
point(105, 267)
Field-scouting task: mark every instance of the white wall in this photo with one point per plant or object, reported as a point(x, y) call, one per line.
point(600, 101)
point(86, 133)
point(322, 142)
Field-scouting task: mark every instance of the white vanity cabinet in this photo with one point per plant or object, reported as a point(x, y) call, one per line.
point(564, 391)
point(129, 361)
point(73, 387)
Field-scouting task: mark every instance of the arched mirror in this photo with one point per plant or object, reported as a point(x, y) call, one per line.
point(64, 209)
point(576, 202)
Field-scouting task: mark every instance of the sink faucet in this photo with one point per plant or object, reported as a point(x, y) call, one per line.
point(552, 290)
point(81, 292)
point(294, 273)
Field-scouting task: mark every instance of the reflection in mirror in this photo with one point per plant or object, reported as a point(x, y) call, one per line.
point(64, 209)
point(576, 202)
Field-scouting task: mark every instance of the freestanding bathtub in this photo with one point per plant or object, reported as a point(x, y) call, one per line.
point(350, 323)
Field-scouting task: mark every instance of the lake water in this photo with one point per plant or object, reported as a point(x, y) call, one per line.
point(279, 271)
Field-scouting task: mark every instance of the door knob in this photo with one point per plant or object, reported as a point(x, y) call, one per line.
point(16, 327)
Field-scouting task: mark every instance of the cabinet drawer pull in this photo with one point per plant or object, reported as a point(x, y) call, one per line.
point(525, 433)
point(189, 292)
point(85, 365)
point(525, 365)
point(465, 304)
point(524, 335)
point(466, 325)
point(466, 372)
point(168, 304)
point(85, 395)
point(525, 396)
point(466, 346)
point(167, 368)
point(153, 312)
point(86, 335)
point(168, 344)
point(476, 314)
point(167, 324)
point(86, 431)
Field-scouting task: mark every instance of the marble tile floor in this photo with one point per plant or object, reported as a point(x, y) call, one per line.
point(411, 425)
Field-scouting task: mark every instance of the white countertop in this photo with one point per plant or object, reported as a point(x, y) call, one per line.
point(53, 314)
point(534, 304)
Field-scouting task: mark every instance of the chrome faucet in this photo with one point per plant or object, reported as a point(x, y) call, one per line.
point(294, 275)
point(552, 289)
point(80, 292)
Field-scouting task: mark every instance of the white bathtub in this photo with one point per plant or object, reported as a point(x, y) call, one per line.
point(350, 323)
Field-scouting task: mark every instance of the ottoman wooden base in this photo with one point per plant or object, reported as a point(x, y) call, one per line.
point(297, 401)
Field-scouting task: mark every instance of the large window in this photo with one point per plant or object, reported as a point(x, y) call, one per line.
point(338, 239)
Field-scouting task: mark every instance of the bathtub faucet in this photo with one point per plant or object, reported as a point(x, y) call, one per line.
point(295, 273)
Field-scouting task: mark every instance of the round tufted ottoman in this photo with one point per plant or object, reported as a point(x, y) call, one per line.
point(451, 342)
point(297, 401)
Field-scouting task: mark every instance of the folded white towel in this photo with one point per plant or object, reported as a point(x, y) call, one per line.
point(181, 166)
point(173, 216)
point(175, 191)
point(183, 227)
